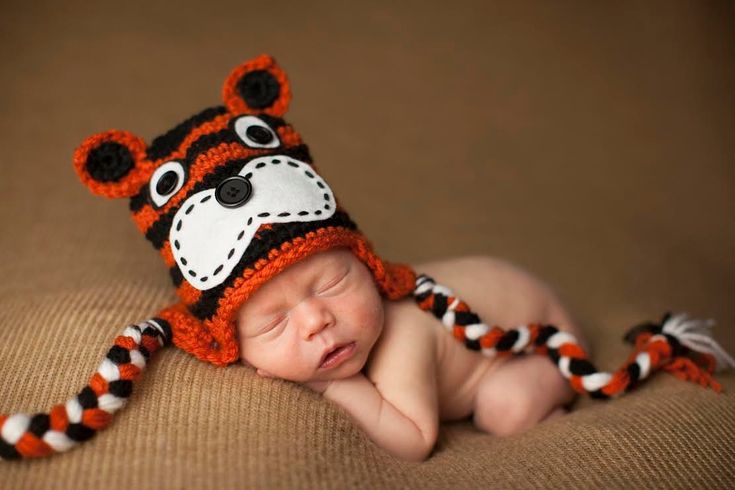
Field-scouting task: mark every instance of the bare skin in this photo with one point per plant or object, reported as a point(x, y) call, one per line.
point(405, 373)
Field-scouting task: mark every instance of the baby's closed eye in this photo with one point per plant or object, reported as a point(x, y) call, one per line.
point(332, 286)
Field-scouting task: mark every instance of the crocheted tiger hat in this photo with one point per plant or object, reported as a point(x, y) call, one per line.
point(231, 197)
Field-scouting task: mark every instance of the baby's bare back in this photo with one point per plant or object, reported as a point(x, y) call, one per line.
point(501, 294)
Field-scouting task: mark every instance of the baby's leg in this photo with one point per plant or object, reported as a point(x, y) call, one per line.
point(519, 393)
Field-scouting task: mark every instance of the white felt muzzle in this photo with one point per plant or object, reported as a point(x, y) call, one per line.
point(208, 239)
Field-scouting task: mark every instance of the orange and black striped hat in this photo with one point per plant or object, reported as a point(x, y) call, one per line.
point(230, 197)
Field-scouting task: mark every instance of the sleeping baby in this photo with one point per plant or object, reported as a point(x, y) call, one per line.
point(270, 270)
point(392, 367)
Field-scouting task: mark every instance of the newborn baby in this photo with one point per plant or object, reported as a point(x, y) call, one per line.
point(394, 368)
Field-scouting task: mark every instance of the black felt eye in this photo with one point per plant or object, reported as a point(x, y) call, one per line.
point(255, 133)
point(165, 182)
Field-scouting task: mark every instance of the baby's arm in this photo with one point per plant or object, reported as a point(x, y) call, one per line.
point(385, 424)
point(397, 406)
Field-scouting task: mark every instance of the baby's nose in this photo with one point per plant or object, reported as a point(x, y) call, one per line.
point(313, 316)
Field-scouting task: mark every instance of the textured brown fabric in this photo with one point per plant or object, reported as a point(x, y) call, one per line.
point(589, 143)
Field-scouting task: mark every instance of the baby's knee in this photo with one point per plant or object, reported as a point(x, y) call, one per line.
point(504, 414)
point(519, 396)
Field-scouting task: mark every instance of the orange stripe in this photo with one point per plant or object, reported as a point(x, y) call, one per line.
point(462, 306)
point(125, 342)
point(167, 254)
point(96, 418)
point(150, 343)
point(30, 446)
point(145, 217)
point(217, 124)
point(572, 350)
point(533, 330)
point(491, 338)
point(188, 293)
point(98, 384)
point(129, 372)
point(617, 384)
point(576, 382)
point(288, 136)
point(58, 418)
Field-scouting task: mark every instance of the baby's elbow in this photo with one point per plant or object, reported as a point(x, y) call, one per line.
point(420, 449)
point(417, 453)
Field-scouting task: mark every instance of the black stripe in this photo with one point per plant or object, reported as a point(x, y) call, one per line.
point(87, 398)
point(118, 355)
point(466, 318)
point(258, 249)
point(139, 200)
point(167, 334)
point(164, 145)
point(440, 305)
point(79, 432)
point(7, 451)
point(598, 394)
point(208, 141)
point(507, 340)
point(472, 344)
point(544, 333)
point(176, 276)
point(554, 355)
point(421, 297)
point(144, 352)
point(634, 371)
point(677, 349)
point(121, 388)
point(581, 367)
point(40, 423)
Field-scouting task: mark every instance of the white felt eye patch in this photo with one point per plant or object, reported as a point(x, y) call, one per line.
point(208, 239)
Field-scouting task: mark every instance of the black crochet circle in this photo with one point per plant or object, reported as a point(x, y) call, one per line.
point(259, 89)
point(109, 162)
point(259, 134)
point(167, 183)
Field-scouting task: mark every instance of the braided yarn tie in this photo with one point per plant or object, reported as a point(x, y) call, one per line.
point(658, 346)
point(43, 434)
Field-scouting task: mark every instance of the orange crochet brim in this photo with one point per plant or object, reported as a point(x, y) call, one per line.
point(215, 340)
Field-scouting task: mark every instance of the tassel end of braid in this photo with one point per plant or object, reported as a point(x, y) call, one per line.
point(695, 334)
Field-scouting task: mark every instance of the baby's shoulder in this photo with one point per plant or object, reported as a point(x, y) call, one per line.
point(406, 329)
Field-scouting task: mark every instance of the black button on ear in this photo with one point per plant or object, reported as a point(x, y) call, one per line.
point(167, 183)
point(259, 134)
point(233, 192)
point(259, 89)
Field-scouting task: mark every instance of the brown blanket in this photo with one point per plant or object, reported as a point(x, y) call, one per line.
point(591, 144)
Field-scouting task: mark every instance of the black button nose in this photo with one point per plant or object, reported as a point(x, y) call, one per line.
point(233, 192)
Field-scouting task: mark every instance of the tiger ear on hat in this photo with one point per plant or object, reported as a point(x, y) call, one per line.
point(258, 86)
point(113, 164)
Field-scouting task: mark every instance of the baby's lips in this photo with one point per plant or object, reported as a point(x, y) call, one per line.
point(332, 350)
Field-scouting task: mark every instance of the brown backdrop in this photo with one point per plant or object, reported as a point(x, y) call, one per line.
point(591, 144)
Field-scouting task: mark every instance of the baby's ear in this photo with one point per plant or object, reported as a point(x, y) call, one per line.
point(258, 86)
point(113, 164)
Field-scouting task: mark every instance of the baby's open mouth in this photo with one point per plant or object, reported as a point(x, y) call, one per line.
point(337, 355)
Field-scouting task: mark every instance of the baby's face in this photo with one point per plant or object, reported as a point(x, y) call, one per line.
point(288, 326)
